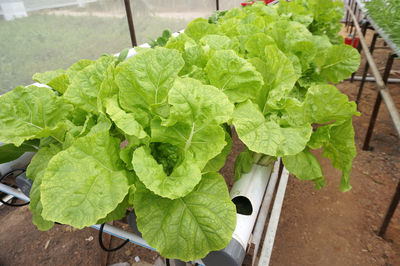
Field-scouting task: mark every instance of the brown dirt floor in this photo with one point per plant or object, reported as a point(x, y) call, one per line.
point(325, 227)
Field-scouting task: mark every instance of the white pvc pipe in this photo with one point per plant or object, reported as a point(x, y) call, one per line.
point(372, 79)
point(263, 213)
point(14, 192)
point(274, 220)
point(252, 186)
point(6, 198)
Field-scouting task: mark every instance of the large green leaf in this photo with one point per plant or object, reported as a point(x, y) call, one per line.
point(341, 150)
point(199, 28)
point(337, 141)
point(179, 183)
point(9, 152)
point(56, 79)
point(204, 142)
point(236, 77)
point(28, 113)
point(85, 85)
point(255, 45)
point(216, 163)
point(195, 103)
point(124, 121)
point(338, 63)
point(85, 182)
point(108, 88)
point(36, 170)
point(217, 42)
point(146, 78)
point(75, 68)
point(324, 103)
point(268, 136)
point(303, 165)
point(279, 76)
point(243, 163)
point(187, 228)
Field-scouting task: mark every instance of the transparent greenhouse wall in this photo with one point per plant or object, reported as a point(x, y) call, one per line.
point(50, 34)
point(151, 17)
point(43, 35)
point(228, 4)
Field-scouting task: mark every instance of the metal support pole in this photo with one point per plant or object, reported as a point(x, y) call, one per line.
point(355, 12)
point(347, 15)
point(371, 49)
point(217, 4)
point(130, 22)
point(351, 4)
point(364, 32)
point(390, 211)
point(378, 101)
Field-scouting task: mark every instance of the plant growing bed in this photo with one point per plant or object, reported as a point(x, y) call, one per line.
point(153, 131)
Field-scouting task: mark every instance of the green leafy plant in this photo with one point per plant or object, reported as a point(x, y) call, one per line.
point(162, 40)
point(386, 14)
point(152, 131)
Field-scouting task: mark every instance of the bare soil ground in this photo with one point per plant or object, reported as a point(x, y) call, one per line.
point(325, 227)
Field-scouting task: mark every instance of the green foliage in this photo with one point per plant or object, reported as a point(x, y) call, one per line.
point(160, 122)
point(162, 40)
point(386, 14)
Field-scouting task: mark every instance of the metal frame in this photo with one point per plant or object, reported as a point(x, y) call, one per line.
point(383, 94)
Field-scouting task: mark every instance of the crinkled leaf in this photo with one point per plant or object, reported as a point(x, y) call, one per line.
point(204, 142)
point(36, 170)
point(179, 183)
point(77, 67)
point(338, 63)
point(187, 228)
point(146, 78)
point(255, 45)
point(279, 76)
point(56, 79)
point(124, 121)
point(341, 151)
point(216, 163)
point(199, 28)
point(324, 103)
point(180, 42)
point(243, 163)
point(236, 77)
point(195, 103)
point(303, 165)
point(217, 42)
point(33, 112)
point(108, 88)
point(85, 182)
point(268, 136)
point(85, 85)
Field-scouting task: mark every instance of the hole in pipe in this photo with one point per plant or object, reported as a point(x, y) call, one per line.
point(243, 205)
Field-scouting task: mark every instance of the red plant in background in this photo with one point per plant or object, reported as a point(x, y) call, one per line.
point(252, 2)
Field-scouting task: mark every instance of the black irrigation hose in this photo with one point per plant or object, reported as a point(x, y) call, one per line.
point(101, 241)
point(6, 175)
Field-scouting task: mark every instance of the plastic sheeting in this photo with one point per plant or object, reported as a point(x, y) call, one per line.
point(151, 17)
point(55, 34)
point(228, 4)
point(43, 35)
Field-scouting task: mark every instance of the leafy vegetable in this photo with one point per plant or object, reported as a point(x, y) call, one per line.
point(151, 131)
point(191, 226)
point(385, 13)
